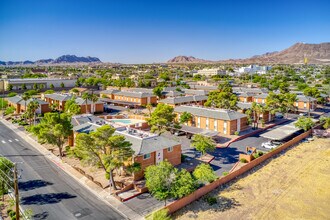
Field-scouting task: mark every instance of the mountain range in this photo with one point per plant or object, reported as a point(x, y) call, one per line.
point(315, 54)
point(65, 59)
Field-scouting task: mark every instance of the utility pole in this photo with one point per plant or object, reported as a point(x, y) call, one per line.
point(16, 192)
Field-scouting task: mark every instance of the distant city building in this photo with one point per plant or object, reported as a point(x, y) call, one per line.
point(210, 72)
point(19, 84)
point(253, 69)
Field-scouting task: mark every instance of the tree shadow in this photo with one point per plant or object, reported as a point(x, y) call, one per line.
point(33, 184)
point(40, 216)
point(42, 199)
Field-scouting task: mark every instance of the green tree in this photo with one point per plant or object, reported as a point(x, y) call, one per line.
point(86, 96)
point(202, 143)
point(162, 118)
point(51, 86)
point(35, 86)
point(305, 123)
point(9, 87)
point(94, 98)
point(26, 96)
point(62, 85)
point(31, 110)
point(159, 179)
point(222, 99)
point(12, 94)
point(158, 91)
point(6, 175)
point(149, 108)
point(75, 91)
point(49, 91)
point(24, 86)
point(183, 185)
point(326, 121)
point(204, 173)
point(103, 148)
point(54, 129)
point(71, 107)
point(185, 117)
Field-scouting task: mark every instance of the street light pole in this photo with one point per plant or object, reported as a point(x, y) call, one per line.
point(16, 192)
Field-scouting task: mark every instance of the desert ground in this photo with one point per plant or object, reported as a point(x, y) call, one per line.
point(295, 185)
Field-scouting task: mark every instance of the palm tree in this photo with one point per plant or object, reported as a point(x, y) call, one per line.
point(32, 108)
point(25, 97)
point(149, 107)
point(94, 98)
point(86, 96)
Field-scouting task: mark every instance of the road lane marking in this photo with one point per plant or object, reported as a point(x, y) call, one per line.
point(3, 141)
point(16, 139)
point(10, 141)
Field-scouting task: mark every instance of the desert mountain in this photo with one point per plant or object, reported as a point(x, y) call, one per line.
point(186, 59)
point(315, 54)
point(65, 59)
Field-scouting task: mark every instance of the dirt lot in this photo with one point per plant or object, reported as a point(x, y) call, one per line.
point(295, 185)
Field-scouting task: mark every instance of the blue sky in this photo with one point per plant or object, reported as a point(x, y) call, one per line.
point(155, 31)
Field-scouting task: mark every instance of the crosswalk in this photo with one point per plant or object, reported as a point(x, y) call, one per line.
point(9, 141)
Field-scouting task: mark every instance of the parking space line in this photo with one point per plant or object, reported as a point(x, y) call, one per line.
point(3, 141)
point(10, 141)
point(16, 139)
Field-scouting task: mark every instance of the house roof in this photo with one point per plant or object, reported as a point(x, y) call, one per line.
point(246, 105)
point(245, 94)
point(222, 114)
point(148, 144)
point(81, 101)
point(59, 97)
point(15, 99)
point(135, 94)
point(195, 92)
point(261, 96)
point(109, 91)
point(304, 98)
point(183, 99)
point(85, 118)
point(40, 102)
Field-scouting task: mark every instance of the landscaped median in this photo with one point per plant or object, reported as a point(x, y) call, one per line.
point(178, 204)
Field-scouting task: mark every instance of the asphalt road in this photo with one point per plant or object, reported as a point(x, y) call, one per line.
point(48, 190)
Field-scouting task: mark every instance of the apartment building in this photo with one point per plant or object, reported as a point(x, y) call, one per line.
point(130, 97)
point(210, 72)
point(60, 99)
point(305, 103)
point(245, 97)
point(185, 100)
point(18, 84)
point(220, 120)
point(149, 149)
point(19, 104)
point(261, 98)
point(266, 115)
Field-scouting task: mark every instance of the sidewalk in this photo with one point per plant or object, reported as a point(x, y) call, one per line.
point(88, 184)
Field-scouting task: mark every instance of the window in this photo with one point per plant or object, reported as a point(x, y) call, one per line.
point(207, 123)
point(305, 104)
point(215, 125)
point(170, 149)
point(146, 156)
point(198, 122)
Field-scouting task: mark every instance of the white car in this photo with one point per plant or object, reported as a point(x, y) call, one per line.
point(268, 145)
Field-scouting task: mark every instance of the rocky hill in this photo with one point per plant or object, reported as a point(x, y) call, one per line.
point(65, 59)
point(186, 59)
point(315, 54)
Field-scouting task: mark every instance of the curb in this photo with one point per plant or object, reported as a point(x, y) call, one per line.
point(118, 206)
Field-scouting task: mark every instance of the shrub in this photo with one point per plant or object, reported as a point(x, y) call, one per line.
point(243, 160)
point(211, 200)
point(9, 211)
point(13, 217)
point(260, 153)
point(225, 173)
point(12, 213)
point(67, 149)
point(161, 215)
point(236, 133)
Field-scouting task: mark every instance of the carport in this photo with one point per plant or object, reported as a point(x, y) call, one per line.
point(190, 131)
point(281, 132)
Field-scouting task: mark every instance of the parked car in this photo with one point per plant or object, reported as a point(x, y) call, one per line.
point(268, 145)
point(277, 143)
point(179, 133)
point(279, 116)
point(303, 114)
